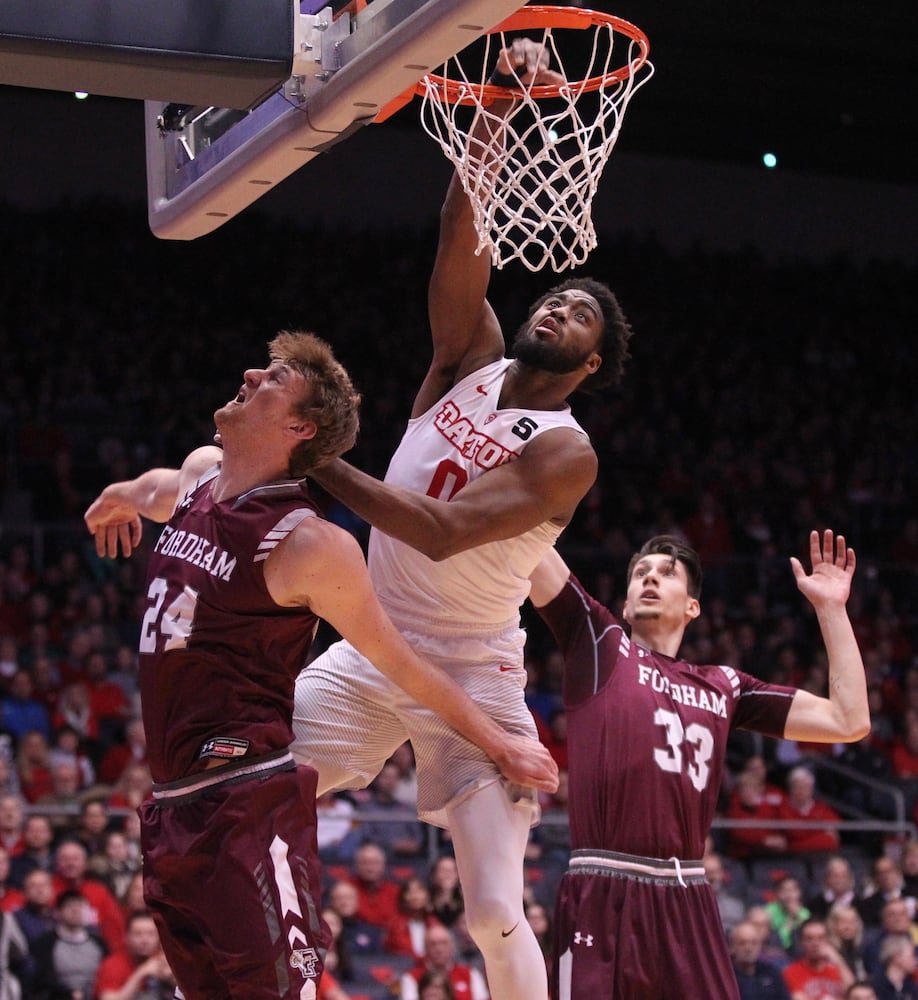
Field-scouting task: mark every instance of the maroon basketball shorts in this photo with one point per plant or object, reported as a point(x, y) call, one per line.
point(644, 931)
point(231, 874)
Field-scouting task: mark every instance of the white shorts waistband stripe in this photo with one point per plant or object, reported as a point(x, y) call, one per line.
point(207, 779)
point(650, 867)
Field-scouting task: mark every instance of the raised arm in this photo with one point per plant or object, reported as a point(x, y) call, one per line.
point(545, 483)
point(844, 716)
point(465, 331)
point(114, 516)
point(548, 579)
point(321, 566)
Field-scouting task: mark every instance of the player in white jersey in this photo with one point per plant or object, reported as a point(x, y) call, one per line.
point(490, 470)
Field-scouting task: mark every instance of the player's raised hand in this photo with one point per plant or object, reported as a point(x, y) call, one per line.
point(524, 761)
point(527, 60)
point(833, 562)
point(113, 520)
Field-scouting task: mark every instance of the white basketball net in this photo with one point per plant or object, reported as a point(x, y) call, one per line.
point(532, 185)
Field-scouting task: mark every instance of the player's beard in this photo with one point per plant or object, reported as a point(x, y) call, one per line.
point(545, 355)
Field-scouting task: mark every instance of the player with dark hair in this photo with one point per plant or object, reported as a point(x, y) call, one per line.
point(488, 473)
point(635, 916)
point(236, 583)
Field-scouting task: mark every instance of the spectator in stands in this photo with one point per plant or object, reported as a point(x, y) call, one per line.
point(801, 803)
point(445, 890)
point(786, 911)
point(904, 755)
point(732, 908)
point(359, 935)
point(753, 798)
point(20, 711)
point(846, 934)
point(772, 950)
point(837, 887)
point(377, 894)
point(399, 835)
point(46, 682)
point(9, 779)
point(92, 825)
point(108, 704)
point(340, 963)
point(132, 901)
point(132, 751)
point(334, 821)
point(329, 987)
point(895, 979)
point(139, 970)
point(68, 958)
point(10, 661)
point(888, 883)
point(757, 979)
point(873, 763)
point(35, 851)
point(134, 785)
point(74, 710)
point(405, 934)
point(10, 897)
point(70, 862)
point(435, 985)
point(115, 864)
point(33, 766)
point(540, 922)
point(896, 919)
point(12, 820)
point(820, 971)
point(406, 791)
point(62, 803)
point(37, 915)
point(440, 956)
point(67, 746)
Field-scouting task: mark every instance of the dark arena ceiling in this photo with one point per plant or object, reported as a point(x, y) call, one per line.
point(828, 86)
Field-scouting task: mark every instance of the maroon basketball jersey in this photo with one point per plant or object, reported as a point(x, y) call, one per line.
point(218, 657)
point(647, 734)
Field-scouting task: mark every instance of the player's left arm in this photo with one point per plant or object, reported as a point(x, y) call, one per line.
point(545, 483)
point(321, 566)
point(844, 716)
point(548, 578)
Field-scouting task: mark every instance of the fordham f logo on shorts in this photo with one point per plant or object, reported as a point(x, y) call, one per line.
point(305, 959)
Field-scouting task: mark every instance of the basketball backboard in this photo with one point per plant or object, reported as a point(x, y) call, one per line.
point(206, 164)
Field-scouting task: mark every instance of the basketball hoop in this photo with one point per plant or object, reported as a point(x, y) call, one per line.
point(532, 183)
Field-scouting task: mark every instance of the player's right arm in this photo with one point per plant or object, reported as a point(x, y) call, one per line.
point(320, 566)
point(465, 331)
point(113, 518)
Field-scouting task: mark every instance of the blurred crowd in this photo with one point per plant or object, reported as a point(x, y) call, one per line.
point(762, 400)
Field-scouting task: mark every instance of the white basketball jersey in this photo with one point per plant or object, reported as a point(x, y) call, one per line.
point(455, 441)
